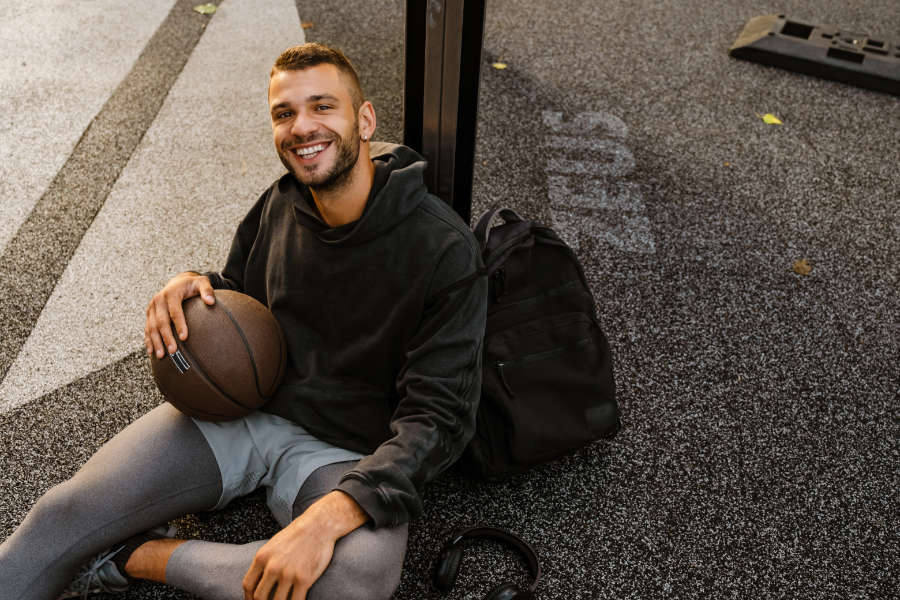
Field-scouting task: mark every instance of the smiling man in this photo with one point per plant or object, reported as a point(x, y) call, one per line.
point(371, 278)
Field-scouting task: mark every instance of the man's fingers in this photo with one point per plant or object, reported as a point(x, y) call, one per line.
point(283, 591)
point(148, 343)
point(250, 580)
point(298, 593)
point(206, 291)
point(150, 332)
point(264, 587)
point(165, 310)
point(176, 314)
point(163, 327)
point(157, 343)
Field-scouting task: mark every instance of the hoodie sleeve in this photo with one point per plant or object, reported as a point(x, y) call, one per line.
point(439, 388)
point(232, 276)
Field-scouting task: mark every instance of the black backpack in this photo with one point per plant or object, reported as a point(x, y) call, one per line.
point(547, 386)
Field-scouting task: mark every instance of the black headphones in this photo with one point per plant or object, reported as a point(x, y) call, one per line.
point(447, 566)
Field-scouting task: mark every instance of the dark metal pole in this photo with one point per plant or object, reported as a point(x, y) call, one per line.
point(443, 59)
point(414, 81)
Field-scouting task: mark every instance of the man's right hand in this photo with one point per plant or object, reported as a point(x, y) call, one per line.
point(165, 308)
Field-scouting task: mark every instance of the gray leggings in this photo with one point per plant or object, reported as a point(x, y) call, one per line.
point(159, 468)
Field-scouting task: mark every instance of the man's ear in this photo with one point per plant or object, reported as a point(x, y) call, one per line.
point(366, 120)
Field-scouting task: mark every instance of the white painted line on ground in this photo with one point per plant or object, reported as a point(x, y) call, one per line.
point(621, 164)
point(60, 61)
point(618, 160)
point(592, 194)
point(586, 123)
point(199, 168)
point(608, 208)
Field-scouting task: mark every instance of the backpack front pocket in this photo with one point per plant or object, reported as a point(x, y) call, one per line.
point(549, 381)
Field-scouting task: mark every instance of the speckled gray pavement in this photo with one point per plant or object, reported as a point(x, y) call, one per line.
point(759, 454)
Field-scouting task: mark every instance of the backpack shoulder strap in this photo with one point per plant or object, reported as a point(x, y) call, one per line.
point(481, 234)
point(482, 228)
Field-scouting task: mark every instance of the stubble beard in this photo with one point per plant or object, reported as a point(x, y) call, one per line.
point(339, 174)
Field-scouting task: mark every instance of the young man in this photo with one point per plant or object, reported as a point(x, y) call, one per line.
point(371, 279)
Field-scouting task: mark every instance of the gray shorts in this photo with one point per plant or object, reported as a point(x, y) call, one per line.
point(264, 450)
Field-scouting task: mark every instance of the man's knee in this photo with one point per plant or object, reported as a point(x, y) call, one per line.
point(366, 565)
point(61, 503)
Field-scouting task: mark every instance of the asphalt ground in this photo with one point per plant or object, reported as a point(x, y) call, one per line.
point(758, 457)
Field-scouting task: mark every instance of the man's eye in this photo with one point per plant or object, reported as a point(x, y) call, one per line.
point(322, 107)
point(283, 114)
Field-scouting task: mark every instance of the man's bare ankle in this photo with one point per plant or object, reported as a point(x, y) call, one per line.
point(149, 560)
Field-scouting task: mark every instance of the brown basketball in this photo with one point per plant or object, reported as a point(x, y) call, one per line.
point(230, 364)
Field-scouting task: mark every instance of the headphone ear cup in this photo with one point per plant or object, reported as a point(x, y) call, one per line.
point(505, 591)
point(447, 568)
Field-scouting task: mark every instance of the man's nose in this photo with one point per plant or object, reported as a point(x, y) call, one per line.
point(303, 125)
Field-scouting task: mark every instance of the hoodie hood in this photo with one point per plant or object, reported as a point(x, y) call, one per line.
point(397, 189)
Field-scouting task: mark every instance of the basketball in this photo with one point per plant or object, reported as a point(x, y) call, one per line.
point(230, 364)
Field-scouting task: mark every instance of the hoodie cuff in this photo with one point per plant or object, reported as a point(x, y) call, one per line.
point(369, 500)
point(215, 279)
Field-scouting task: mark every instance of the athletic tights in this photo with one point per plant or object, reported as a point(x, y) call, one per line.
point(157, 469)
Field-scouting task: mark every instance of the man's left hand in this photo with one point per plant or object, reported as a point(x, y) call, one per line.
point(294, 559)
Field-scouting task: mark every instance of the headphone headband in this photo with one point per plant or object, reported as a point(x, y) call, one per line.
point(494, 533)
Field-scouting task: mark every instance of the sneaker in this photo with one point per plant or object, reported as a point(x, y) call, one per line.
point(101, 574)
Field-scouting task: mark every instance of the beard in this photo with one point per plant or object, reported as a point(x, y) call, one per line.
point(335, 177)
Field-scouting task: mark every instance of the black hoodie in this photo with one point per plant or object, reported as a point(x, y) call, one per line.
point(384, 353)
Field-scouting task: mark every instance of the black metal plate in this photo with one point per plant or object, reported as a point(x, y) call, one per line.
point(821, 50)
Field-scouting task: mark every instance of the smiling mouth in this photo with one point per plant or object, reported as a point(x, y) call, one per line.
point(310, 152)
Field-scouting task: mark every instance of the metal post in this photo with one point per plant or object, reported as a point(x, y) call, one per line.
point(443, 60)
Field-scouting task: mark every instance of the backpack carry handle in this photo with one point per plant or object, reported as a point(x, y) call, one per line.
point(483, 226)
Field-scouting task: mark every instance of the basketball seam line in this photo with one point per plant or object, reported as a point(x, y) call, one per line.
point(201, 370)
point(247, 348)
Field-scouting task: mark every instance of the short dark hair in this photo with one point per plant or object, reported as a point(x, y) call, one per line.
point(298, 58)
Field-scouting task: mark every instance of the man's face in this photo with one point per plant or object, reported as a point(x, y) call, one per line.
point(314, 125)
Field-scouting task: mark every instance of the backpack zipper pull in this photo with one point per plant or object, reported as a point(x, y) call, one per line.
point(500, 366)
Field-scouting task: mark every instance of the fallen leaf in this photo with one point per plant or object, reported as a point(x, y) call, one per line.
point(499, 65)
point(802, 267)
point(205, 9)
point(307, 24)
point(769, 118)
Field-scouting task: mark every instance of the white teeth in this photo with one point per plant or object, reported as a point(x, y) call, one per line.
point(309, 152)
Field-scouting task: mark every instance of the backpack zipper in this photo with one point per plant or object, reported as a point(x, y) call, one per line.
point(560, 289)
point(542, 355)
point(501, 364)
